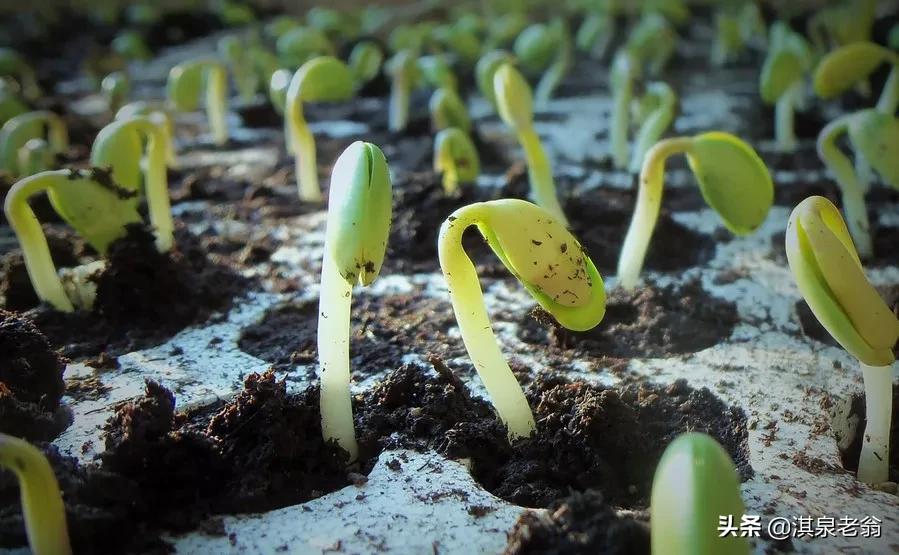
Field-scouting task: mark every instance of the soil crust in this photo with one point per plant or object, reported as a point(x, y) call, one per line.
point(31, 383)
point(143, 297)
point(649, 321)
point(580, 524)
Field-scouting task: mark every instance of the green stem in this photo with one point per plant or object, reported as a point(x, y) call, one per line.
point(889, 95)
point(471, 314)
point(217, 102)
point(302, 144)
point(646, 213)
point(42, 505)
point(554, 74)
point(784, 133)
point(35, 250)
point(655, 125)
point(873, 464)
point(620, 123)
point(335, 298)
point(450, 179)
point(852, 190)
point(543, 187)
point(157, 189)
point(398, 114)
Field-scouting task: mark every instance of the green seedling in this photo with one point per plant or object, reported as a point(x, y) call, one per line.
point(234, 14)
point(732, 178)
point(595, 34)
point(185, 83)
point(656, 111)
point(300, 44)
point(277, 92)
point(503, 29)
point(365, 62)
point(780, 82)
point(131, 46)
point(116, 87)
point(548, 261)
point(359, 214)
point(436, 72)
point(459, 40)
point(412, 37)
point(652, 41)
point(842, 24)
point(729, 40)
point(280, 25)
point(832, 281)
point(874, 136)
point(10, 104)
point(332, 23)
point(404, 75)
point(89, 201)
point(625, 70)
point(456, 157)
point(849, 65)
point(322, 79)
point(486, 68)
point(31, 125)
point(546, 49)
point(515, 106)
point(158, 115)
point(119, 147)
point(35, 156)
point(448, 110)
point(42, 507)
point(675, 11)
point(12, 64)
point(695, 484)
point(237, 55)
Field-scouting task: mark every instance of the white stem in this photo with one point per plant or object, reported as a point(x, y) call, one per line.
point(784, 132)
point(889, 95)
point(398, 115)
point(540, 175)
point(874, 462)
point(468, 304)
point(217, 103)
point(157, 191)
point(335, 299)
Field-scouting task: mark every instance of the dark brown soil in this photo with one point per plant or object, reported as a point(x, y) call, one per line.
point(849, 457)
point(580, 524)
point(649, 321)
point(595, 437)
point(31, 383)
point(15, 285)
point(143, 297)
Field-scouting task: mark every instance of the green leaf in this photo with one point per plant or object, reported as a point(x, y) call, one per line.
point(95, 206)
point(830, 277)
point(454, 151)
point(781, 70)
point(360, 205)
point(514, 100)
point(365, 61)
point(844, 67)
point(695, 483)
point(535, 47)
point(733, 180)
point(548, 260)
point(185, 84)
point(298, 45)
point(323, 79)
point(448, 110)
point(875, 136)
point(118, 148)
point(486, 68)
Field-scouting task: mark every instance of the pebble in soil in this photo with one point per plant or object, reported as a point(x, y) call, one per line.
point(650, 321)
point(143, 297)
point(31, 383)
point(582, 523)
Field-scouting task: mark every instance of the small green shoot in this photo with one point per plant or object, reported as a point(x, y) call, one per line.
point(515, 106)
point(116, 87)
point(832, 281)
point(852, 64)
point(31, 125)
point(695, 484)
point(131, 46)
point(625, 70)
point(237, 55)
point(365, 62)
point(12, 64)
point(119, 146)
point(448, 110)
point(595, 34)
point(780, 82)
point(98, 209)
point(656, 111)
point(187, 80)
point(359, 215)
point(300, 44)
point(321, 79)
point(42, 506)
point(456, 157)
point(404, 74)
point(486, 68)
point(546, 258)
point(732, 178)
point(874, 136)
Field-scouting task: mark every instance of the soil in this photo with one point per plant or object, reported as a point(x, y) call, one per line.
point(143, 297)
point(849, 456)
point(31, 383)
point(595, 437)
point(650, 321)
point(580, 524)
point(15, 286)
